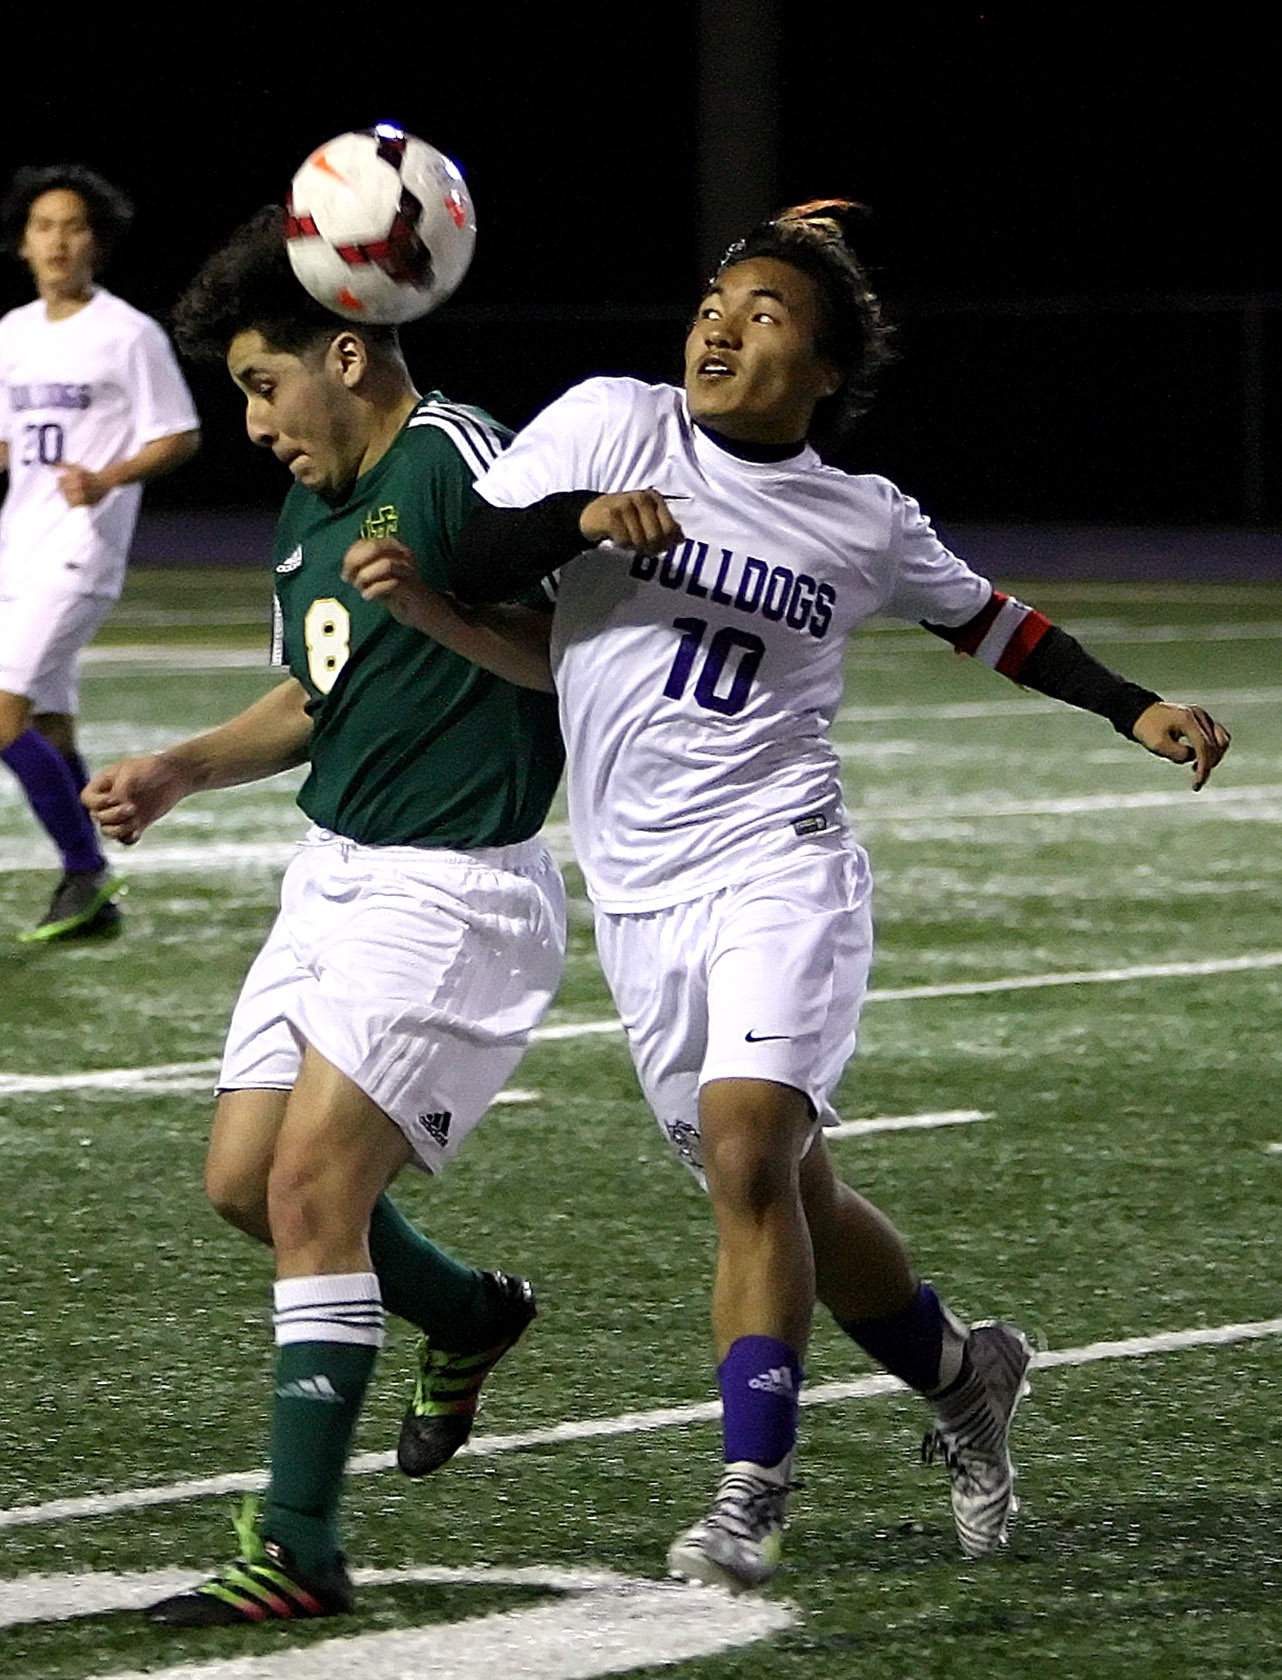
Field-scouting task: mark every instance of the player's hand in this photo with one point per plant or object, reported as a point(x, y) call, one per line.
point(130, 795)
point(636, 519)
point(383, 569)
point(80, 487)
point(1185, 735)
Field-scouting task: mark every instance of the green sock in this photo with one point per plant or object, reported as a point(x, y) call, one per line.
point(421, 1283)
point(319, 1390)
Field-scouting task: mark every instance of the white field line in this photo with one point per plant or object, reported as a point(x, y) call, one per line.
point(1207, 802)
point(905, 1123)
point(615, 1624)
point(1015, 983)
point(202, 856)
point(155, 1078)
point(899, 640)
point(107, 661)
point(1021, 706)
point(1086, 977)
point(147, 1081)
point(624, 1423)
point(207, 855)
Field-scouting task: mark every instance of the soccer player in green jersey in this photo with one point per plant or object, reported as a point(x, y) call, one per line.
point(422, 924)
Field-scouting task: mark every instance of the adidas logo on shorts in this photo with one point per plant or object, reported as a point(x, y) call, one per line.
point(437, 1125)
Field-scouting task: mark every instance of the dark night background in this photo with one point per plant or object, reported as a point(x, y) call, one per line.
point(1073, 214)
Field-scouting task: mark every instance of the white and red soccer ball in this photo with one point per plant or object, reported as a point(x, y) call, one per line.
point(379, 226)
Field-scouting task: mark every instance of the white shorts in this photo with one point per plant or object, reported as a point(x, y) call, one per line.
point(418, 972)
point(761, 980)
point(41, 635)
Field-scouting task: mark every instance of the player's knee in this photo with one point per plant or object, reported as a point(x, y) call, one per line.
point(58, 729)
point(753, 1135)
point(239, 1196)
point(748, 1173)
point(310, 1207)
point(15, 716)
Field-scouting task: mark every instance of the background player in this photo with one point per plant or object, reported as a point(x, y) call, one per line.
point(699, 665)
point(92, 405)
point(421, 931)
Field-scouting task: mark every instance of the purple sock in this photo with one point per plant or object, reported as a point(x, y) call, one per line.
point(922, 1344)
point(50, 785)
point(760, 1380)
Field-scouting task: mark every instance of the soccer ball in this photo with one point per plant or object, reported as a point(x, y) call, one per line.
point(379, 226)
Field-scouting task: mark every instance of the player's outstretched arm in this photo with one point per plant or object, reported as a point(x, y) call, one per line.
point(271, 735)
point(1185, 735)
point(1026, 647)
point(510, 641)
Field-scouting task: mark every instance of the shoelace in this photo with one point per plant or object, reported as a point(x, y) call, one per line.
point(964, 1464)
point(746, 1504)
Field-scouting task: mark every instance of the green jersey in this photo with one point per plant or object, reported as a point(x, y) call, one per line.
point(411, 745)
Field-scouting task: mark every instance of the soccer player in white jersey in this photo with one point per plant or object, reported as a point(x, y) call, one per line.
point(697, 652)
point(92, 405)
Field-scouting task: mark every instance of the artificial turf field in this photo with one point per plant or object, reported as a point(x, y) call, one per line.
point(1080, 968)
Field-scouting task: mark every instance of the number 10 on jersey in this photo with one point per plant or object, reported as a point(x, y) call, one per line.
point(710, 690)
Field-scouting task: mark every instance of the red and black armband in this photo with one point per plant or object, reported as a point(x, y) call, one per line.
point(1026, 647)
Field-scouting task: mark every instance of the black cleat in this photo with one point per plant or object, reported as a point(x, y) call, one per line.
point(443, 1410)
point(81, 908)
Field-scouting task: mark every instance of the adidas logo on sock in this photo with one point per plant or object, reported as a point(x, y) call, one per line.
point(778, 1380)
point(310, 1388)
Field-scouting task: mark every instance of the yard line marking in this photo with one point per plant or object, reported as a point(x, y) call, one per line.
point(196, 854)
point(625, 1423)
point(207, 855)
point(1083, 977)
point(1021, 707)
point(60, 1597)
point(594, 1628)
point(1015, 983)
point(901, 639)
point(980, 806)
point(152, 1079)
point(191, 658)
point(169, 1076)
point(574, 1029)
point(905, 1122)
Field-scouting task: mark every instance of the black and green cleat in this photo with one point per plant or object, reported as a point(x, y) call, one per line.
point(443, 1409)
point(81, 908)
point(264, 1584)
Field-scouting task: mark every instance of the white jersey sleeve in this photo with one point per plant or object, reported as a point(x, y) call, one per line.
point(929, 581)
point(579, 442)
point(162, 402)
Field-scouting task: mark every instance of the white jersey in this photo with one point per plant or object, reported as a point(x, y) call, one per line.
point(697, 688)
point(87, 390)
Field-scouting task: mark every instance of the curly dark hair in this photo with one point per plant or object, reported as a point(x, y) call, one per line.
point(247, 285)
point(109, 212)
point(852, 333)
